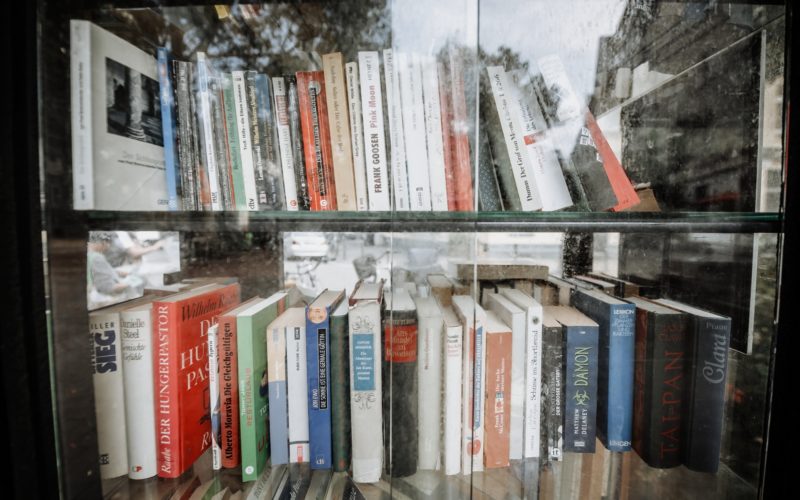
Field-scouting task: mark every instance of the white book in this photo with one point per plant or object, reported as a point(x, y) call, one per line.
point(245, 146)
point(514, 317)
point(517, 152)
point(408, 73)
point(366, 414)
point(204, 75)
point(433, 131)
point(297, 384)
point(452, 354)
point(541, 150)
point(472, 318)
point(117, 163)
point(137, 374)
point(396, 136)
point(429, 372)
point(533, 369)
point(357, 135)
point(213, 396)
point(284, 142)
point(369, 72)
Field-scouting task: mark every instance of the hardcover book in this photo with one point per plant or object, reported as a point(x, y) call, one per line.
point(429, 373)
point(340, 388)
point(297, 384)
point(497, 398)
point(311, 93)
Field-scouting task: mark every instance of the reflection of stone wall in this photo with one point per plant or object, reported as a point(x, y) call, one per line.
point(133, 127)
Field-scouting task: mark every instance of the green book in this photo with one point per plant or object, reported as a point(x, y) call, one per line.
point(340, 389)
point(251, 346)
point(232, 131)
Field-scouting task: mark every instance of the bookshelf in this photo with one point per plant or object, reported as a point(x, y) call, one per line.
point(261, 264)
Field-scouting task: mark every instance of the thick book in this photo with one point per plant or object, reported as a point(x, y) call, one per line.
point(251, 340)
point(339, 126)
point(366, 417)
point(429, 375)
point(111, 80)
point(269, 181)
point(433, 130)
point(378, 189)
point(622, 288)
point(297, 384)
point(501, 269)
point(707, 341)
point(207, 130)
point(180, 368)
point(532, 390)
point(316, 139)
point(460, 125)
point(298, 155)
point(340, 388)
point(283, 125)
point(213, 396)
point(408, 72)
point(318, 362)
point(400, 383)
point(617, 326)
point(497, 395)
point(357, 135)
point(167, 103)
point(472, 318)
point(241, 109)
point(394, 109)
point(185, 140)
point(580, 382)
point(600, 284)
point(278, 394)
point(232, 141)
point(659, 383)
point(553, 389)
point(452, 379)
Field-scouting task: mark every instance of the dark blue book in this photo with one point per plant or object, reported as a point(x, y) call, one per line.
point(318, 360)
point(167, 98)
point(617, 340)
point(580, 387)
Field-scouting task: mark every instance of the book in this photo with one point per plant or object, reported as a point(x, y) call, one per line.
point(213, 396)
point(532, 390)
point(366, 418)
point(339, 125)
point(394, 108)
point(429, 379)
point(278, 394)
point(340, 388)
point(318, 361)
point(202, 184)
point(297, 384)
point(553, 388)
point(180, 369)
point(311, 94)
point(303, 197)
point(501, 269)
point(283, 126)
point(369, 71)
point(167, 98)
point(251, 327)
point(240, 198)
point(110, 82)
point(472, 318)
point(447, 133)
point(452, 378)
point(617, 326)
point(497, 397)
point(707, 342)
point(408, 71)
point(580, 382)
point(269, 180)
point(489, 194)
point(208, 139)
point(220, 136)
point(400, 402)
point(622, 288)
point(357, 135)
point(441, 287)
point(659, 383)
point(600, 284)
point(433, 132)
point(460, 125)
point(185, 139)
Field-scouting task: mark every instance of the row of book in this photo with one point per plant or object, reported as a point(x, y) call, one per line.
point(395, 382)
point(386, 131)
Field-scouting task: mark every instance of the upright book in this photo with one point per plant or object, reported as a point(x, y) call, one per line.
point(283, 125)
point(553, 390)
point(452, 380)
point(316, 139)
point(429, 373)
point(497, 396)
point(278, 394)
point(213, 396)
point(166, 94)
point(394, 111)
point(297, 384)
point(339, 126)
point(369, 71)
point(357, 135)
point(340, 388)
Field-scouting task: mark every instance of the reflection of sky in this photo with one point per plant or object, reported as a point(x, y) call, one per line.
point(425, 26)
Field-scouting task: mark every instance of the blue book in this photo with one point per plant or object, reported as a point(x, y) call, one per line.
point(580, 381)
point(276, 387)
point(167, 97)
point(617, 326)
point(318, 359)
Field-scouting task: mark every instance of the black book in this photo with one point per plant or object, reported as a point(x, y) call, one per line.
point(400, 384)
point(552, 387)
point(296, 134)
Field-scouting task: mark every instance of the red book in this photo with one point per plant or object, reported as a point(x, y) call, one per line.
point(462, 167)
point(316, 139)
point(497, 443)
point(623, 189)
point(447, 137)
point(183, 417)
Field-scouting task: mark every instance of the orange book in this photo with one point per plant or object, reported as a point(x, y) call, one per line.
point(498, 393)
point(316, 139)
point(623, 189)
point(462, 167)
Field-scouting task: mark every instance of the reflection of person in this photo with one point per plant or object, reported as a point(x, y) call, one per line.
point(124, 249)
point(100, 273)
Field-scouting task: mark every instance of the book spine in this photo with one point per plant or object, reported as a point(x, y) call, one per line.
point(532, 419)
point(462, 164)
point(408, 73)
point(303, 197)
point(357, 136)
point(581, 389)
point(316, 140)
point(297, 390)
point(369, 68)
point(109, 394)
point(430, 389)
point(167, 399)
point(451, 426)
point(137, 373)
point(400, 360)
point(272, 179)
point(207, 129)
point(553, 390)
point(702, 430)
point(203, 187)
point(339, 125)
point(213, 397)
point(241, 108)
point(256, 127)
point(448, 142)
point(619, 399)
point(81, 104)
point(433, 130)
point(396, 136)
point(318, 365)
point(167, 99)
point(474, 358)
point(497, 153)
point(366, 419)
point(229, 387)
point(225, 170)
point(497, 404)
point(253, 445)
point(184, 134)
point(285, 141)
point(232, 139)
point(340, 393)
point(278, 407)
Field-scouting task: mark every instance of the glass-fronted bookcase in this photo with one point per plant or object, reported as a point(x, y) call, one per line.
point(462, 249)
